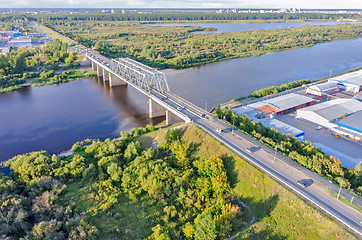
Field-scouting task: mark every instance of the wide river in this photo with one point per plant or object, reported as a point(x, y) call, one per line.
point(53, 117)
point(242, 27)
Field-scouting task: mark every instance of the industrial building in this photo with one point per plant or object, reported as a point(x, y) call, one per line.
point(20, 42)
point(349, 81)
point(352, 122)
point(282, 104)
point(328, 113)
point(284, 128)
point(358, 97)
point(322, 89)
point(10, 34)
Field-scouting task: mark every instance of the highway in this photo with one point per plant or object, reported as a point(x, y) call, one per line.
point(284, 173)
point(281, 169)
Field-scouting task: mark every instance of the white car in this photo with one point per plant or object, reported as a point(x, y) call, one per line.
point(319, 127)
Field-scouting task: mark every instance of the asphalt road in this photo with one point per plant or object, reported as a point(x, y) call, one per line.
point(287, 174)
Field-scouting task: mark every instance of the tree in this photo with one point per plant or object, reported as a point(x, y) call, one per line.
point(206, 229)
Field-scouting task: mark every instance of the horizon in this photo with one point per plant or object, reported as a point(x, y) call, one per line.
point(187, 4)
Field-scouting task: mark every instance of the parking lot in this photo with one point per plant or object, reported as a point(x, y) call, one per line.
point(349, 153)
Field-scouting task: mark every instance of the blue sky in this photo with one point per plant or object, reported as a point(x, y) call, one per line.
point(347, 4)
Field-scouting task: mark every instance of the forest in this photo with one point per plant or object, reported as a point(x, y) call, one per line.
point(178, 47)
point(16, 67)
point(192, 16)
point(303, 153)
point(188, 187)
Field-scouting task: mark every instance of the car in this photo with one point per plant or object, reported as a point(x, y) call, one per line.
point(219, 130)
point(248, 150)
point(318, 127)
point(179, 108)
point(202, 115)
point(302, 184)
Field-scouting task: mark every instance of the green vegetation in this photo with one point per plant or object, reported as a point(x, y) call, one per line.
point(191, 17)
point(277, 89)
point(179, 47)
point(49, 77)
point(184, 189)
point(303, 153)
point(15, 66)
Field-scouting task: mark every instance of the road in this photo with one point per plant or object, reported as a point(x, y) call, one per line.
point(282, 169)
point(284, 173)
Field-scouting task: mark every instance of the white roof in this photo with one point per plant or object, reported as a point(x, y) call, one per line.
point(322, 87)
point(353, 78)
point(335, 108)
point(284, 102)
point(354, 120)
point(283, 127)
point(358, 97)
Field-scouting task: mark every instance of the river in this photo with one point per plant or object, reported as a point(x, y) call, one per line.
point(242, 27)
point(219, 82)
point(53, 117)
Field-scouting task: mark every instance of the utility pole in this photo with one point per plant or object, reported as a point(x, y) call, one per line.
point(340, 188)
point(232, 130)
point(275, 152)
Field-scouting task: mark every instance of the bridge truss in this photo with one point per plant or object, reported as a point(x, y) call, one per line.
point(140, 74)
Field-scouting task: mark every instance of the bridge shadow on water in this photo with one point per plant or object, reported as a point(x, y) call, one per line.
point(130, 102)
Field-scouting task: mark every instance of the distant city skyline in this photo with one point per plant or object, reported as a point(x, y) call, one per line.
point(308, 4)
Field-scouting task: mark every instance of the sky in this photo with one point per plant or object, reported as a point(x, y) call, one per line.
point(309, 4)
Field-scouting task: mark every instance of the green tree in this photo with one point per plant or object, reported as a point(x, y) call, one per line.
point(206, 229)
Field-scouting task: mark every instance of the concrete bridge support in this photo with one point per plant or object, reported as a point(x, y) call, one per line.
point(94, 66)
point(171, 118)
point(155, 109)
point(115, 81)
point(99, 71)
point(105, 74)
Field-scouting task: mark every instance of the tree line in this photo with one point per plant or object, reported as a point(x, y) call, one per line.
point(277, 89)
point(303, 153)
point(189, 16)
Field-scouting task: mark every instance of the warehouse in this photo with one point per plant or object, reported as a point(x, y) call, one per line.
point(327, 113)
point(322, 89)
point(282, 127)
point(282, 104)
point(353, 122)
point(350, 81)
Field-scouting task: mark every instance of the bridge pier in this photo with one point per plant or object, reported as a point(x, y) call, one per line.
point(105, 74)
point(155, 109)
point(115, 81)
point(171, 118)
point(94, 66)
point(99, 71)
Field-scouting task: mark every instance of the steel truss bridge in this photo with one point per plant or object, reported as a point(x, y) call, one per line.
point(140, 74)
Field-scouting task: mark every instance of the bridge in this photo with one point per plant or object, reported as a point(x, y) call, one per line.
point(149, 81)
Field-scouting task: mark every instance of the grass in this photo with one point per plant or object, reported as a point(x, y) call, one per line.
point(129, 220)
point(280, 214)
